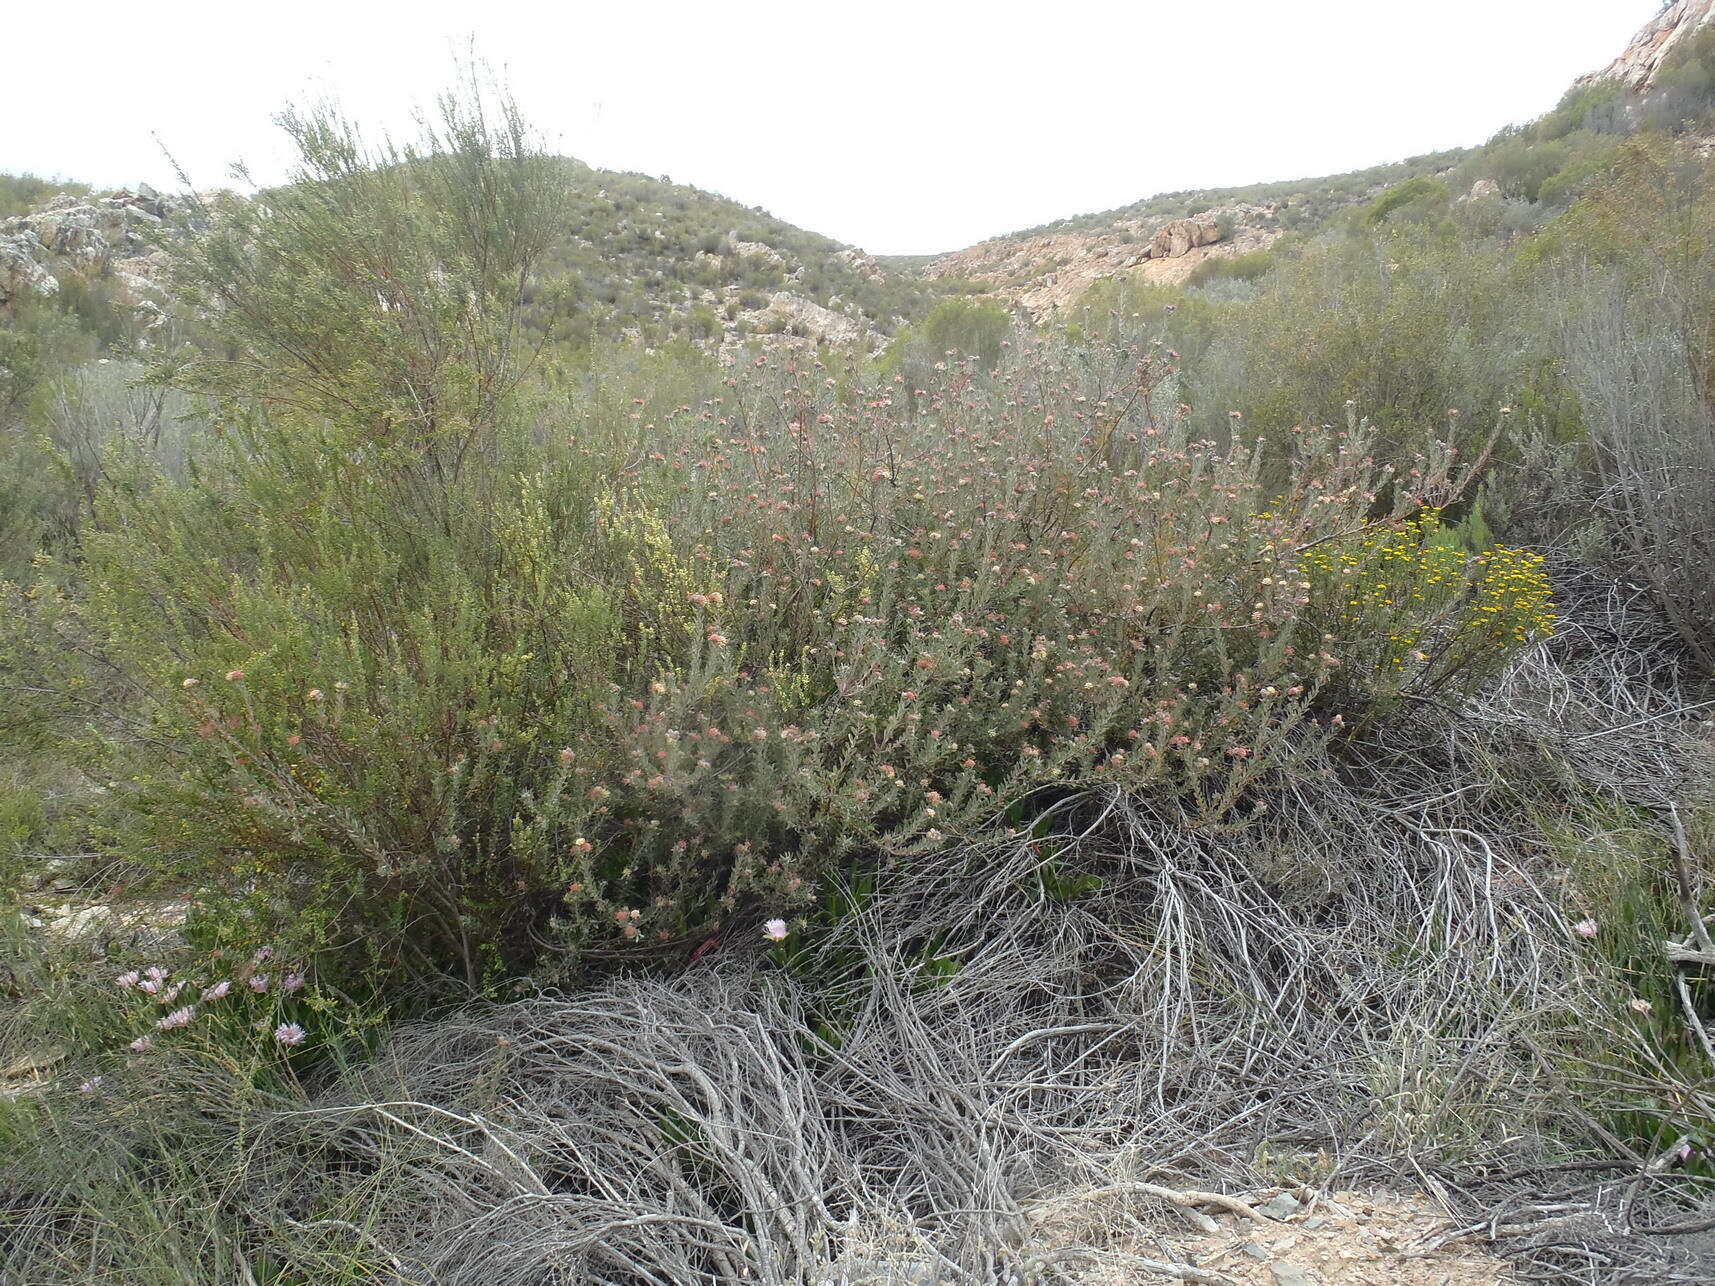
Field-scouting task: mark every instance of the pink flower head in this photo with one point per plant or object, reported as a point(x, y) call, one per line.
point(289, 1034)
point(233, 676)
point(258, 983)
point(151, 986)
point(774, 930)
point(129, 979)
point(1585, 928)
point(178, 1018)
point(141, 1043)
point(90, 1086)
point(217, 991)
point(292, 982)
point(262, 954)
point(154, 973)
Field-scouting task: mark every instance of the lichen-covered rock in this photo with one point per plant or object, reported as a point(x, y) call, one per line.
point(23, 267)
point(794, 312)
point(116, 234)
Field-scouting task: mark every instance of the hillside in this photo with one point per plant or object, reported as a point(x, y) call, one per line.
point(633, 256)
point(1662, 81)
point(1641, 64)
point(653, 258)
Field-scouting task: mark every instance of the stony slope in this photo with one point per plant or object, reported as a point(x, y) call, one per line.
point(1642, 60)
point(1044, 274)
point(653, 258)
point(114, 236)
point(1046, 269)
point(640, 257)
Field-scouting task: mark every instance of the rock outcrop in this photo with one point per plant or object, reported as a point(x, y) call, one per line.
point(23, 267)
point(1182, 236)
point(116, 235)
point(1044, 274)
point(798, 315)
point(1643, 58)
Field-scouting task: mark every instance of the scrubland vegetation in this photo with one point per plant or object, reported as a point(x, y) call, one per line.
point(592, 812)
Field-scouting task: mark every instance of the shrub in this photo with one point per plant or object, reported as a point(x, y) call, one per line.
point(1422, 190)
point(972, 327)
point(1638, 330)
point(775, 646)
point(1240, 267)
point(417, 669)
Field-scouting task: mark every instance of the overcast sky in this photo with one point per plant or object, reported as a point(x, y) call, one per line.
point(899, 127)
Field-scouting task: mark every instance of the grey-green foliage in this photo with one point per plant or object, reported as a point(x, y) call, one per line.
point(381, 288)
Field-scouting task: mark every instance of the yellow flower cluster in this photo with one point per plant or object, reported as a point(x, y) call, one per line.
point(1402, 582)
point(1512, 592)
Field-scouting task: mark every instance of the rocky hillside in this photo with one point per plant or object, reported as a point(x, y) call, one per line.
point(115, 237)
point(1639, 66)
point(1043, 274)
point(640, 257)
point(1164, 238)
point(654, 259)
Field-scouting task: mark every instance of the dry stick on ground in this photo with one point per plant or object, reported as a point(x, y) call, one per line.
point(1682, 952)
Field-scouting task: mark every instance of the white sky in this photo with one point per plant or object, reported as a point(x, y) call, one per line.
point(899, 127)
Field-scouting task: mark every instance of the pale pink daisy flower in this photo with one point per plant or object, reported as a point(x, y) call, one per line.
point(141, 1043)
point(130, 979)
point(289, 1034)
point(178, 1018)
point(217, 991)
point(774, 930)
point(90, 1086)
point(1585, 928)
point(258, 983)
point(292, 982)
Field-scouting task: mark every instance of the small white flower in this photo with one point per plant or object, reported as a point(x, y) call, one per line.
point(258, 983)
point(774, 930)
point(1585, 928)
point(217, 991)
point(289, 1034)
point(141, 1043)
point(130, 979)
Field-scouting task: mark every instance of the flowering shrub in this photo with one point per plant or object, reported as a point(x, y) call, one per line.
point(423, 666)
point(1448, 616)
point(686, 661)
